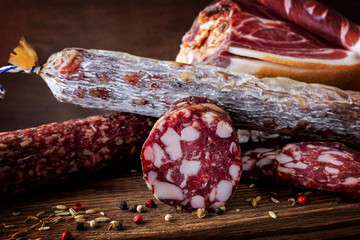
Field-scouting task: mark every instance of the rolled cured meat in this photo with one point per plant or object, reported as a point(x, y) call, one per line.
point(249, 37)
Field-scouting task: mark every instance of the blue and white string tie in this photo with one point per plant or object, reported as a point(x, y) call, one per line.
point(14, 69)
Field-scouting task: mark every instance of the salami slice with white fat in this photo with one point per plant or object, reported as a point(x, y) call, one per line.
point(192, 157)
point(260, 164)
point(321, 165)
point(254, 163)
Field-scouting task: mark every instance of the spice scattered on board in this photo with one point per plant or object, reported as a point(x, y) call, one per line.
point(90, 216)
point(272, 214)
point(201, 212)
point(168, 217)
point(138, 219)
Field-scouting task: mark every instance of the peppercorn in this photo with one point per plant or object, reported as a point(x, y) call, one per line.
point(168, 217)
point(132, 208)
point(93, 223)
point(77, 206)
point(150, 203)
point(140, 208)
point(66, 235)
point(138, 219)
point(116, 225)
point(201, 212)
point(123, 205)
point(219, 211)
point(80, 226)
point(301, 200)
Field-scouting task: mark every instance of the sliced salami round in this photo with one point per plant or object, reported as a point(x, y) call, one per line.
point(192, 157)
point(255, 164)
point(321, 165)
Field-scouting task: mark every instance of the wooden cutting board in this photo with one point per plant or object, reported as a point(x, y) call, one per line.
point(321, 217)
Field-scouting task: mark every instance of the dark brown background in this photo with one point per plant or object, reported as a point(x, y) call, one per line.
point(148, 28)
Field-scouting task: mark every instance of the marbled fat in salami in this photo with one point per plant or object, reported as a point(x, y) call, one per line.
point(254, 164)
point(40, 155)
point(192, 157)
point(321, 165)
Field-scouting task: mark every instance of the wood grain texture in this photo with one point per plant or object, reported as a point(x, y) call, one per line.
point(320, 218)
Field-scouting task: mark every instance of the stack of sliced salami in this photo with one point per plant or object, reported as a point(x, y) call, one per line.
point(320, 165)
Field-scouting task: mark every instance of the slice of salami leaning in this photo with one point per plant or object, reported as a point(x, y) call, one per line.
point(321, 165)
point(255, 164)
point(35, 156)
point(191, 158)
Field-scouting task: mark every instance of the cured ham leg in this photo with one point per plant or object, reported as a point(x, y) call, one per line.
point(246, 36)
point(318, 19)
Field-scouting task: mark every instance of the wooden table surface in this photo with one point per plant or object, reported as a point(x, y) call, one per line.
point(148, 28)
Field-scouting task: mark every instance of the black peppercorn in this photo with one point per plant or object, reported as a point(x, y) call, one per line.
point(123, 205)
point(80, 226)
point(219, 211)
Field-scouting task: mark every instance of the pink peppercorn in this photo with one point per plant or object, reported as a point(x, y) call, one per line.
point(138, 219)
point(77, 206)
point(150, 203)
point(66, 235)
point(301, 200)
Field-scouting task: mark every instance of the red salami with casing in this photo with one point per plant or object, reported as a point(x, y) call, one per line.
point(192, 157)
point(321, 165)
point(48, 153)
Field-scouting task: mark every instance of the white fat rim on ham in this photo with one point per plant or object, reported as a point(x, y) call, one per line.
point(351, 59)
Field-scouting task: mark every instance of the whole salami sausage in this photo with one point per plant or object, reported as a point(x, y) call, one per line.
point(122, 82)
point(35, 156)
point(191, 158)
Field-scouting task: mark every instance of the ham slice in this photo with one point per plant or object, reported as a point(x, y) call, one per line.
point(318, 19)
point(247, 36)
